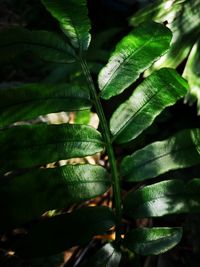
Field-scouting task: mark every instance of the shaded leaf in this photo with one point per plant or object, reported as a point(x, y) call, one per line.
point(176, 152)
point(61, 232)
point(107, 256)
point(163, 198)
point(29, 195)
point(158, 91)
point(47, 46)
point(73, 19)
point(31, 100)
point(135, 53)
point(152, 241)
point(192, 74)
point(31, 145)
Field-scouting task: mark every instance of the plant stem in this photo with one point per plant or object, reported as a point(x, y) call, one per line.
point(107, 139)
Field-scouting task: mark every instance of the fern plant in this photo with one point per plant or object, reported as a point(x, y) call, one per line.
point(28, 189)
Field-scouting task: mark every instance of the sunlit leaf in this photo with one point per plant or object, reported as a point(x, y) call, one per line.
point(29, 195)
point(152, 241)
point(31, 100)
point(47, 46)
point(192, 74)
point(33, 145)
point(134, 53)
point(72, 16)
point(61, 232)
point(158, 91)
point(177, 152)
point(163, 198)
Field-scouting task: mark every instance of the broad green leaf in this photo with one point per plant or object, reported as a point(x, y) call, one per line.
point(152, 241)
point(135, 53)
point(32, 145)
point(191, 73)
point(47, 46)
point(182, 18)
point(163, 198)
point(107, 256)
point(29, 195)
point(176, 152)
point(158, 91)
point(61, 232)
point(31, 100)
point(73, 19)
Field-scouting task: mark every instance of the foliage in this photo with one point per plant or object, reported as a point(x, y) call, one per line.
point(33, 183)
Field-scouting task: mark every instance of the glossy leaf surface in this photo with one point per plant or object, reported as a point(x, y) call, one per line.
point(29, 195)
point(32, 145)
point(29, 101)
point(72, 16)
point(134, 53)
point(158, 91)
point(61, 232)
point(182, 18)
point(176, 152)
point(163, 198)
point(107, 256)
point(152, 241)
point(44, 45)
point(191, 73)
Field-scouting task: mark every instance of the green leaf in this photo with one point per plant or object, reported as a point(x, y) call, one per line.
point(32, 145)
point(191, 73)
point(176, 152)
point(29, 195)
point(73, 19)
point(152, 241)
point(182, 18)
point(163, 198)
point(158, 91)
point(107, 256)
point(61, 232)
point(47, 46)
point(135, 53)
point(31, 100)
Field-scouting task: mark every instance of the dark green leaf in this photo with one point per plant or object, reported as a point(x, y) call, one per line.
point(28, 196)
point(47, 46)
point(135, 53)
point(152, 241)
point(158, 91)
point(32, 145)
point(107, 256)
point(73, 19)
point(163, 198)
point(61, 232)
point(32, 100)
point(191, 73)
point(179, 151)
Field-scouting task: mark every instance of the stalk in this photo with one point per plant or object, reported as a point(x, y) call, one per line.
point(108, 143)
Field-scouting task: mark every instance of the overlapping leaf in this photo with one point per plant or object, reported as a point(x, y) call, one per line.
point(61, 232)
point(29, 101)
point(107, 256)
point(135, 53)
point(47, 46)
point(152, 241)
point(179, 151)
point(72, 16)
point(163, 198)
point(33, 145)
point(158, 91)
point(29, 195)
